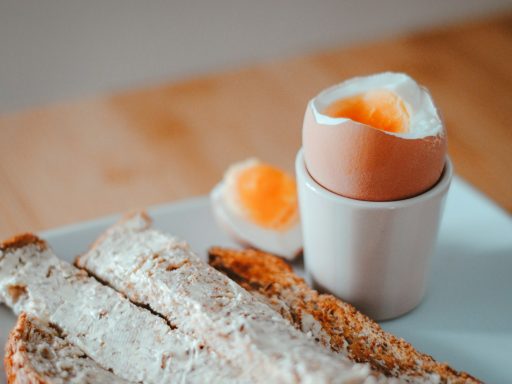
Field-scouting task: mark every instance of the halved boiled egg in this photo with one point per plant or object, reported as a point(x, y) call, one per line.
point(256, 203)
point(375, 138)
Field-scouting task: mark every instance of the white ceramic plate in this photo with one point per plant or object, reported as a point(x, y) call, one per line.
point(466, 317)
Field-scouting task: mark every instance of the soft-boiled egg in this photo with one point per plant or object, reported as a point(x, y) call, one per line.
point(256, 203)
point(375, 138)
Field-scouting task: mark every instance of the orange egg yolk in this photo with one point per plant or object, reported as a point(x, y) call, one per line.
point(268, 195)
point(379, 109)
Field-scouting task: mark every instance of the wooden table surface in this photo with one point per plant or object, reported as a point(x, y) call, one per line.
point(79, 160)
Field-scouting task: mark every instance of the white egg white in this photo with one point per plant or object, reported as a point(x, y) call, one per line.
point(286, 243)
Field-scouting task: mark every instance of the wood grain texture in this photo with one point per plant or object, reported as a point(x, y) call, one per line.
point(75, 161)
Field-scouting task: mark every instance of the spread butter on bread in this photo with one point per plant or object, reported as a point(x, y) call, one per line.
point(159, 271)
point(134, 343)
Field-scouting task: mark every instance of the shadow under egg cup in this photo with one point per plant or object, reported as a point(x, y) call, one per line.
point(374, 255)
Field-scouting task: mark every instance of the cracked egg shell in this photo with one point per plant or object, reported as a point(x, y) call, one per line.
point(374, 138)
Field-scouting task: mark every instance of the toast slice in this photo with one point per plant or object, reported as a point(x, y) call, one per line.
point(38, 353)
point(161, 272)
point(134, 343)
point(331, 321)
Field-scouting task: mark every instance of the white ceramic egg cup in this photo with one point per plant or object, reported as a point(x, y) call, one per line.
point(374, 255)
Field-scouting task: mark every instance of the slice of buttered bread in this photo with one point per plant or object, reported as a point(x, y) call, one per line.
point(130, 340)
point(157, 270)
point(38, 353)
point(331, 321)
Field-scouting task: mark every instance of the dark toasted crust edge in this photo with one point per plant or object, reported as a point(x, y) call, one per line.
point(20, 371)
point(23, 240)
point(274, 279)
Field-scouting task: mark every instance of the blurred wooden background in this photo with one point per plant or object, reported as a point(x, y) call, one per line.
point(79, 160)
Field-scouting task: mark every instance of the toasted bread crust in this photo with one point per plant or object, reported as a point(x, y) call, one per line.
point(20, 370)
point(20, 241)
point(350, 332)
point(38, 352)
